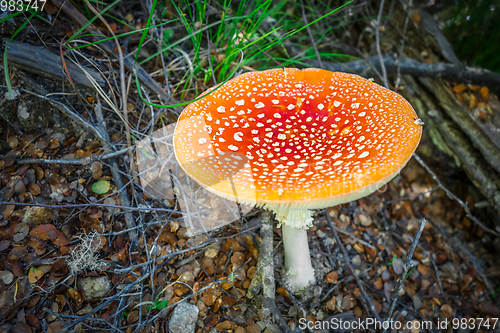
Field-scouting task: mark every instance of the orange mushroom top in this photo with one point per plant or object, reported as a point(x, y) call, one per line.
point(296, 139)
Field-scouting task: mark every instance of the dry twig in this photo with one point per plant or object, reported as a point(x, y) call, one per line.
point(367, 300)
point(407, 266)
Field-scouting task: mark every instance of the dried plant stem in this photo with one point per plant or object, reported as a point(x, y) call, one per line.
point(377, 41)
point(310, 34)
point(406, 269)
point(452, 196)
point(367, 300)
point(83, 161)
point(117, 177)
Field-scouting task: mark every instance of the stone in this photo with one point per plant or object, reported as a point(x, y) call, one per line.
point(183, 318)
point(94, 287)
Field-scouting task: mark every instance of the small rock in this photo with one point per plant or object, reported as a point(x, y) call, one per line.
point(14, 95)
point(22, 112)
point(183, 318)
point(94, 287)
point(386, 275)
point(417, 302)
point(7, 277)
point(364, 220)
point(397, 266)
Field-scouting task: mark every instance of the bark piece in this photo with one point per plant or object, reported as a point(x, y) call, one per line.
point(40, 61)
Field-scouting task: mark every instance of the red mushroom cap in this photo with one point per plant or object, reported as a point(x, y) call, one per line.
point(296, 139)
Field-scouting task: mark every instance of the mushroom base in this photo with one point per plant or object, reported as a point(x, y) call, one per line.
point(299, 270)
point(298, 219)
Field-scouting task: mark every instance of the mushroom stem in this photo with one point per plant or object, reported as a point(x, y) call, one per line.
point(299, 270)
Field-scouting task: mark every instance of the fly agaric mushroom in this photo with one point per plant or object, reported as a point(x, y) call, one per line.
point(292, 140)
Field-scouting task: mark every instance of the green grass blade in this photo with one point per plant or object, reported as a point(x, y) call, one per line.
point(5, 62)
point(76, 34)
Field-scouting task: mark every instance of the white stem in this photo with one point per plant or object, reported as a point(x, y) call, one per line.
point(299, 271)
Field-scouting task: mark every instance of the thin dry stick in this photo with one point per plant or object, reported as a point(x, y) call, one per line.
point(398, 77)
point(408, 265)
point(367, 300)
point(310, 34)
point(454, 197)
point(117, 177)
point(122, 74)
point(377, 41)
point(83, 161)
point(91, 204)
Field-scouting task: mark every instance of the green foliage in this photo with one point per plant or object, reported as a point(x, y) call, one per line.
point(472, 27)
point(101, 187)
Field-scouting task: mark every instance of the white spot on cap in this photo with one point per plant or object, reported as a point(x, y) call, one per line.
point(269, 134)
point(222, 140)
point(364, 154)
point(256, 140)
point(237, 136)
point(298, 85)
point(290, 107)
point(255, 132)
point(337, 155)
point(355, 105)
point(202, 141)
point(280, 191)
point(233, 148)
point(259, 105)
point(240, 102)
point(321, 106)
point(281, 136)
point(336, 104)
point(261, 115)
point(221, 109)
point(362, 114)
point(276, 115)
point(275, 101)
point(337, 163)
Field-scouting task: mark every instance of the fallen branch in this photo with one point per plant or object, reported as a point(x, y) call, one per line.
point(39, 61)
point(475, 75)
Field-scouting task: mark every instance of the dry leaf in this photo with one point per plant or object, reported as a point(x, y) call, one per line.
point(42, 231)
point(332, 277)
point(35, 274)
point(58, 238)
point(447, 310)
